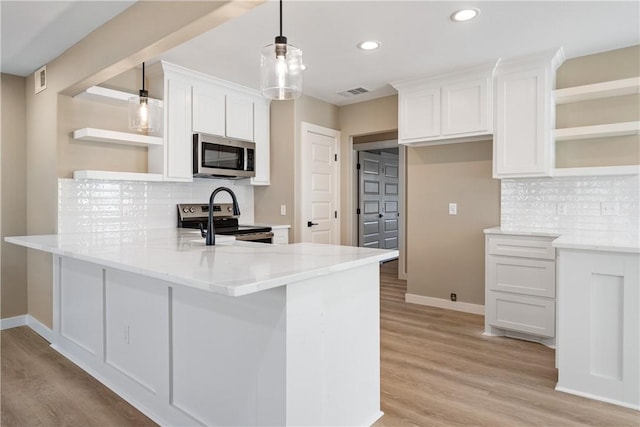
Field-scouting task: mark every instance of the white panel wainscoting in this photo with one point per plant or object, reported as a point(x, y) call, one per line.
point(599, 326)
point(104, 205)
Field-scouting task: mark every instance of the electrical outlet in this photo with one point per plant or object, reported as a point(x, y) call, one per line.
point(561, 209)
point(609, 208)
point(283, 210)
point(453, 209)
point(454, 297)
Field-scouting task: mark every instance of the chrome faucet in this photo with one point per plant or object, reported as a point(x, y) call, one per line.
point(210, 233)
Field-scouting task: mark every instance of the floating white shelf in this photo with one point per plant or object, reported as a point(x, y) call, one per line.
point(597, 131)
point(598, 90)
point(118, 176)
point(113, 137)
point(597, 171)
point(109, 96)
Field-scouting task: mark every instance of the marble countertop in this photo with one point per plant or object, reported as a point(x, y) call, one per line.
point(585, 240)
point(180, 256)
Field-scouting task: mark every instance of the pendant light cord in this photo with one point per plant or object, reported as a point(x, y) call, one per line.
point(143, 76)
point(280, 18)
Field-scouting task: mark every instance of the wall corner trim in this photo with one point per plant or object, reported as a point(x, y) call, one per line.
point(30, 321)
point(446, 304)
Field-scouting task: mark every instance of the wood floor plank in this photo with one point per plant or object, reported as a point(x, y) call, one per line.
point(437, 369)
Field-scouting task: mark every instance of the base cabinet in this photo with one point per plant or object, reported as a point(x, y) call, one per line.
point(599, 325)
point(291, 355)
point(280, 236)
point(520, 287)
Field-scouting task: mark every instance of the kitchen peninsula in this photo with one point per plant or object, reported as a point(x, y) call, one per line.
point(234, 334)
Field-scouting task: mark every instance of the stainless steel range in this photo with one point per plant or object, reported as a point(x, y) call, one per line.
point(225, 223)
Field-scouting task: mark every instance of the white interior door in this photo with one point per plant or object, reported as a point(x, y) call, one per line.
point(320, 191)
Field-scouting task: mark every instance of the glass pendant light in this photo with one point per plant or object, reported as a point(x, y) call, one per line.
point(143, 111)
point(281, 68)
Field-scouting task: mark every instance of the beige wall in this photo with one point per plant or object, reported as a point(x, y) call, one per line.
point(13, 204)
point(141, 32)
point(445, 253)
point(364, 118)
point(611, 65)
point(286, 117)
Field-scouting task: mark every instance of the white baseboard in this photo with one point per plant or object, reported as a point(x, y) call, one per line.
point(13, 322)
point(443, 303)
point(600, 398)
point(40, 328)
point(30, 321)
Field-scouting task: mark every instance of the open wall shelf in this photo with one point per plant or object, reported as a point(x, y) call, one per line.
point(597, 171)
point(113, 137)
point(119, 176)
point(598, 90)
point(597, 131)
point(107, 96)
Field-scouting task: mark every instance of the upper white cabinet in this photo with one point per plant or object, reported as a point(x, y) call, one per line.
point(218, 111)
point(525, 116)
point(208, 109)
point(173, 159)
point(240, 118)
point(261, 137)
point(447, 108)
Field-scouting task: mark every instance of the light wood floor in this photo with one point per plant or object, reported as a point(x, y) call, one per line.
point(437, 370)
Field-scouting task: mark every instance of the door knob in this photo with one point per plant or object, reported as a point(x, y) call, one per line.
point(380, 215)
point(309, 223)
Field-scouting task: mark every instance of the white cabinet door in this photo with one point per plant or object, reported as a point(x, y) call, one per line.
point(208, 109)
point(419, 114)
point(262, 140)
point(465, 107)
point(280, 236)
point(178, 135)
point(240, 117)
point(525, 115)
point(599, 325)
point(523, 133)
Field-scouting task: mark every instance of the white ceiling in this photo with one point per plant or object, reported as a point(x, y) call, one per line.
point(418, 38)
point(33, 33)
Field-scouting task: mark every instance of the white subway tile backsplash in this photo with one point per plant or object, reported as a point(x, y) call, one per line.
point(532, 204)
point(97, 205)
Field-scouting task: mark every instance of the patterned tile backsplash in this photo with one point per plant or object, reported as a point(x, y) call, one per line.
point(571, 204)
point(97, 205)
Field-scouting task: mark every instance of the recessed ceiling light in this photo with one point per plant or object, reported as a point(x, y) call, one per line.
point(369, 45)
point(465, 15)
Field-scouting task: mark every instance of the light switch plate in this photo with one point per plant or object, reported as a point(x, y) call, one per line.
point(283, 210)
point(453, 209)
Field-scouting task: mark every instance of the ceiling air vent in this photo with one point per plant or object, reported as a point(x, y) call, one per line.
point(353, 92)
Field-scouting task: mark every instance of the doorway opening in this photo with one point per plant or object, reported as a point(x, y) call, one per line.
point(378, 176)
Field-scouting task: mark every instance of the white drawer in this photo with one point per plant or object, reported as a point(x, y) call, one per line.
point(532, 315)
point(536, 277)
point(529, 247)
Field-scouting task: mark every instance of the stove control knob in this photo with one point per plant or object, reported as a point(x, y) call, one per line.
point(185, 210)
point(229, 209)
point(192, 210)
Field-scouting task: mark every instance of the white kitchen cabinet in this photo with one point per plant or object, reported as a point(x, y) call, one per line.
point(520, 286)
point(173, 160)
point(453, 107)
point(208, 109)
point(525, 116)
point(419, 114)
point(599, 325)
point(240, 117)
point(262, 140)
point(280, 235)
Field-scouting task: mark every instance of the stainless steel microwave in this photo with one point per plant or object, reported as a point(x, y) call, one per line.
point(216, 156)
